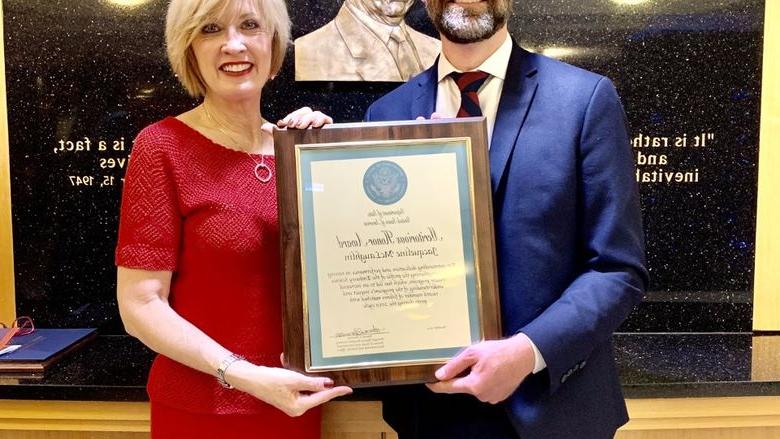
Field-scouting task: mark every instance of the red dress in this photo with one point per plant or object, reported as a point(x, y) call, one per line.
point(195, 208)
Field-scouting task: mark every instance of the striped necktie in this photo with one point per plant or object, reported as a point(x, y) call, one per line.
point(469, 84)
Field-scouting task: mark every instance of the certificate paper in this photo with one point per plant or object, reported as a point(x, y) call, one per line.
point(387, 252)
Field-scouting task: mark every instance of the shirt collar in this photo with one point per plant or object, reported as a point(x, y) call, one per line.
point(381, 30)
point(495, 65)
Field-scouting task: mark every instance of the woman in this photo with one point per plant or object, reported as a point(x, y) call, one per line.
point(198, 250)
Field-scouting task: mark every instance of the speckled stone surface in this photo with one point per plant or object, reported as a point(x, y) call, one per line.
point(91, 68)
point(694, 365)
point(115, 368)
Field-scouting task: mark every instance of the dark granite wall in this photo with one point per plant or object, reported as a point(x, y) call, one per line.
point(91, 69)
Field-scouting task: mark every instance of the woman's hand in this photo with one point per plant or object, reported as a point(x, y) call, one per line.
point(291, 392)
point(304, 118)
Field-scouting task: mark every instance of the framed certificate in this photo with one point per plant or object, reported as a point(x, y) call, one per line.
point(387, 248)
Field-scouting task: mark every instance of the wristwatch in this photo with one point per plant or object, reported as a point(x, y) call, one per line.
point(223, 365)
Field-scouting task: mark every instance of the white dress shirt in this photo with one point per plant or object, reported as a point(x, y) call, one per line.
point(448, 104)
point(448, 94)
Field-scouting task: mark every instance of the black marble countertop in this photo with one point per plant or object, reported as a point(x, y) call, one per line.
point(115, 368)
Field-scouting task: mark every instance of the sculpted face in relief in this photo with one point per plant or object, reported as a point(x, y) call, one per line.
point(367, 40)
point(390, 12)
point(468, 21)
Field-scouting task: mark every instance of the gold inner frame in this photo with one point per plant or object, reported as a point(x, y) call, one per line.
point(382, 145)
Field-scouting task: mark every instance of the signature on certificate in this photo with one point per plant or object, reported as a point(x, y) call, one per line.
point(361, 332)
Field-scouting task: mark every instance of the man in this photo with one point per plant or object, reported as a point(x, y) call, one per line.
point(367, 41)
point(568, 235)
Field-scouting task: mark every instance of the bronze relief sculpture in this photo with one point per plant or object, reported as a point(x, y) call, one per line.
point(368, 40)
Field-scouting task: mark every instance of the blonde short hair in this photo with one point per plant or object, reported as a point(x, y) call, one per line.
point(186, 17)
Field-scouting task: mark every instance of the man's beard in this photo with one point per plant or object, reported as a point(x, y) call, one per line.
point(460, 25)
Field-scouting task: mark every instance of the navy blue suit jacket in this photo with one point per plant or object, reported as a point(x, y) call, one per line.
point(569, 235)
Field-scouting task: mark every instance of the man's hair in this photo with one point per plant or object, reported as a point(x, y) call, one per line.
point(185, 19)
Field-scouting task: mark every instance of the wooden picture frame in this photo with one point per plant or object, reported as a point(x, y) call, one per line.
point(389, 225)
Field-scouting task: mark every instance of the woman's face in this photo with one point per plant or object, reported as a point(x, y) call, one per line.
point(233, 53)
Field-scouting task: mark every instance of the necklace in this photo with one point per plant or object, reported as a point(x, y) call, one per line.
point(262, 171)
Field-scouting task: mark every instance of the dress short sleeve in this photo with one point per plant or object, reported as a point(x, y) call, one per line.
point(150, 219)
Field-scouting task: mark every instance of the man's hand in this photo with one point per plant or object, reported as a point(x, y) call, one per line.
point(434, 115)
point(497, 368)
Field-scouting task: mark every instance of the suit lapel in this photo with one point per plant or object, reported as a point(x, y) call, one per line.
point(516, 98)
point(425, 85)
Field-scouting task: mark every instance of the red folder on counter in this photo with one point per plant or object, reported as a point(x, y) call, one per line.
point(43, 348)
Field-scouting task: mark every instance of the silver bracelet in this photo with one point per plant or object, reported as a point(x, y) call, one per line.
point(223, 365)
